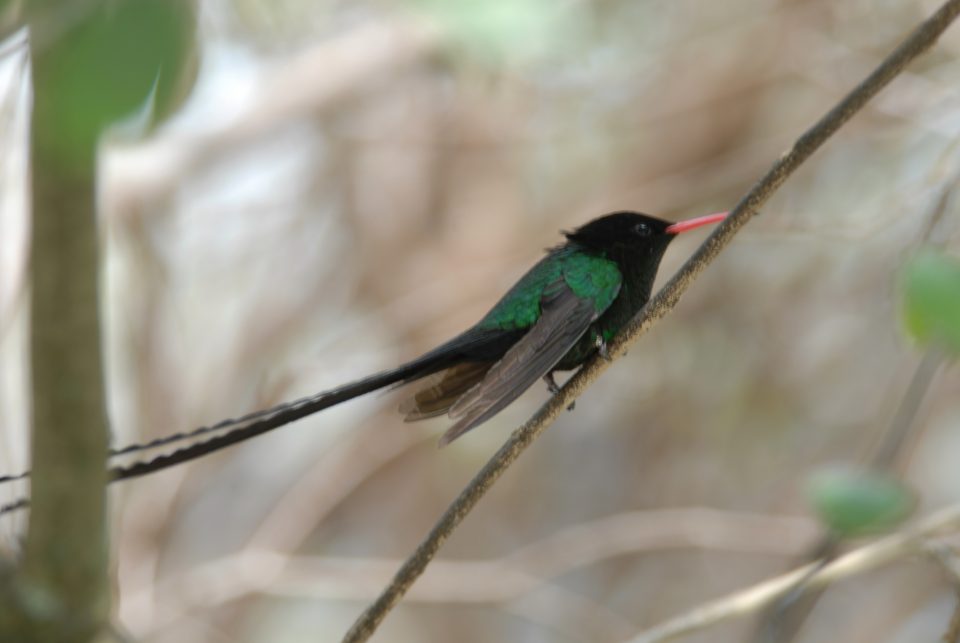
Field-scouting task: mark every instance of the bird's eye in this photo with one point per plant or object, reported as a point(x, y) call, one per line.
point(642, 229)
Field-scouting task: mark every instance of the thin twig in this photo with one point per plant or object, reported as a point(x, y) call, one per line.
point(918, 42)
point(949, 561)
point(952, 634)
point(893, 547)
point(891, 449)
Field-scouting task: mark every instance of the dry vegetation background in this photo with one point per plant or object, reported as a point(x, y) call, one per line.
point(350, 183)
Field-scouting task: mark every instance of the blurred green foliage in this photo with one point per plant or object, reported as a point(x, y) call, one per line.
point(10, 17)
point(853, 502)
point(117, 58)
point(494, 32)
point(931, 299)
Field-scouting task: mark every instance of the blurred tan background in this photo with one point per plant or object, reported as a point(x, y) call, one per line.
point(350, 183)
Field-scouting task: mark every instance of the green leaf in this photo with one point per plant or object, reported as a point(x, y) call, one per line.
point(931, 299)
point(852, 502)
point(100, 66)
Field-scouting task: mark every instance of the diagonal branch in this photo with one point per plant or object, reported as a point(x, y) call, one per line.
point(921, 39)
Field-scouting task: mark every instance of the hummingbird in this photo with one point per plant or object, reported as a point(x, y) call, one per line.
point(558, 315)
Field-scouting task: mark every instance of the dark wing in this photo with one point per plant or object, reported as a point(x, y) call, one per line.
point(564, 318)
point(441, 391)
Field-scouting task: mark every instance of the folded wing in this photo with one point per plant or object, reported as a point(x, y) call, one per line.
point(564, 318)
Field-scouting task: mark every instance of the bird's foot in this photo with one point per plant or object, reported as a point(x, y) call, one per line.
point(601, 345)
point(552, 385)
point(554, 388)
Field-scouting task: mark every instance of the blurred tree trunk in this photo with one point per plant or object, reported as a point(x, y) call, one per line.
point(66, 543)
point(91, 67)
point(61, 593)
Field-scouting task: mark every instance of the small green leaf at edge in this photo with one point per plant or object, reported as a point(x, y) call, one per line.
point(855, 502)
point(931, 299)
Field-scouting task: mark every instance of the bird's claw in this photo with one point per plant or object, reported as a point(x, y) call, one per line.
point(552, 385)
point(601, 345)
point(554, 388)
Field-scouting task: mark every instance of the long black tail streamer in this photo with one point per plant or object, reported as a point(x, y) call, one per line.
point(259, 423)
point(178, 437)
point(245, 427)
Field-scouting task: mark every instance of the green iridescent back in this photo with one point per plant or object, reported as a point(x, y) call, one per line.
point(587, 274)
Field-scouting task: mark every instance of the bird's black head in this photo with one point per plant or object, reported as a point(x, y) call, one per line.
point(625, 235)
point(634, 240)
